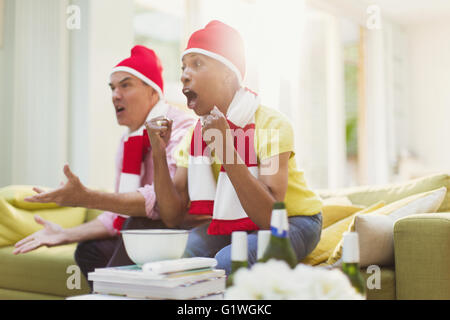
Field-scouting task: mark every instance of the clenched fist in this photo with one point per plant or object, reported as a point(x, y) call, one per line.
point(159, 130)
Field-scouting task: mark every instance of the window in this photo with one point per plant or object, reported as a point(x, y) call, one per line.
point(350, 33)
point(159, 26)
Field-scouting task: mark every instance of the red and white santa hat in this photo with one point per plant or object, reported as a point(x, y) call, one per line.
point(221, 42)
point(145, 65)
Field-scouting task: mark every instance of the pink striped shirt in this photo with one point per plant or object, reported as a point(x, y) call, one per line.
point(182, 122)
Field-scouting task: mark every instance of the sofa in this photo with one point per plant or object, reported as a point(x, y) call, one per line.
point(421, 264)
point(42, 274)
point(420, 269)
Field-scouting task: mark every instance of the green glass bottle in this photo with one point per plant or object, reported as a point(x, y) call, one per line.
point(239, 254)
point(350, 261)
point(280, 247)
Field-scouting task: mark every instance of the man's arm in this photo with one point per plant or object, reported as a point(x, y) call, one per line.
point(91, 230)
point(257, 196)
point(130, 203)
point(172, 195)
point(53, 235)
point(74, 194)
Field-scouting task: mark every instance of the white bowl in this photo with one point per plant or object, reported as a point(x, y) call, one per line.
point(151, 245)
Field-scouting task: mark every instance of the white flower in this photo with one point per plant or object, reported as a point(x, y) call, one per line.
point(274, 280)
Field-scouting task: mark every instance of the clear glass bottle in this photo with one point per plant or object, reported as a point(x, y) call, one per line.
point(350, 261)
point(239, 254)
point(280, 247)
point(263, 242)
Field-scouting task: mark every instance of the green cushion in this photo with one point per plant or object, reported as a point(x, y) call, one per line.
point(17, 223)
point(7, 294)
point(92, 214)
point(42, 271)
point(368, 195)
point(422, 256)
point(387, 285)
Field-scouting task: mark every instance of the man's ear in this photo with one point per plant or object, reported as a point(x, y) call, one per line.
point(155, 95)
point(152, 93)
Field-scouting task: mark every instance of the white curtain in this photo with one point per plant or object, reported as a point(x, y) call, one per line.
point(387, 116)
point(56, 103)
point(38, 101)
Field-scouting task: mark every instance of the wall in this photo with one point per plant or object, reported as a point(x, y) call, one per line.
point(34, 103)
point(6, 76)
point(104, 39)
point(54, 96)
point(429, 129)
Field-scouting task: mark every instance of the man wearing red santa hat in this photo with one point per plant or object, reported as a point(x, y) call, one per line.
point(253, 165)
point(137, 95)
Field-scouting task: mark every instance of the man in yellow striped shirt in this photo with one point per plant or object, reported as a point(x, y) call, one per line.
point(239, 194)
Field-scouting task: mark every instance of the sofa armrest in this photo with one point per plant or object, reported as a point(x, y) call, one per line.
point(422, 256)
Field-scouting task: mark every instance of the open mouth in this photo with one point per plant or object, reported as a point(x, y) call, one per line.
point(119, 109)
point(191, 98)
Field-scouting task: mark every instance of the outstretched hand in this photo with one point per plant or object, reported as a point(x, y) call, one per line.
point(51, 235)
point(70, 194)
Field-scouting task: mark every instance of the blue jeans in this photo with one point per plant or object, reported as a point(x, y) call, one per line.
point(304, 233)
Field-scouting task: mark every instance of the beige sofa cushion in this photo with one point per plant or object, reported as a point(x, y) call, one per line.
point(376, 228)
point(332, 235)
point(368, 195)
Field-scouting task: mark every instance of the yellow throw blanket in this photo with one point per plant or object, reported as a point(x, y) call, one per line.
point(17, 215)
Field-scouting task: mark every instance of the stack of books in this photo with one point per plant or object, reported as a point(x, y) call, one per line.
point(179, 279)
